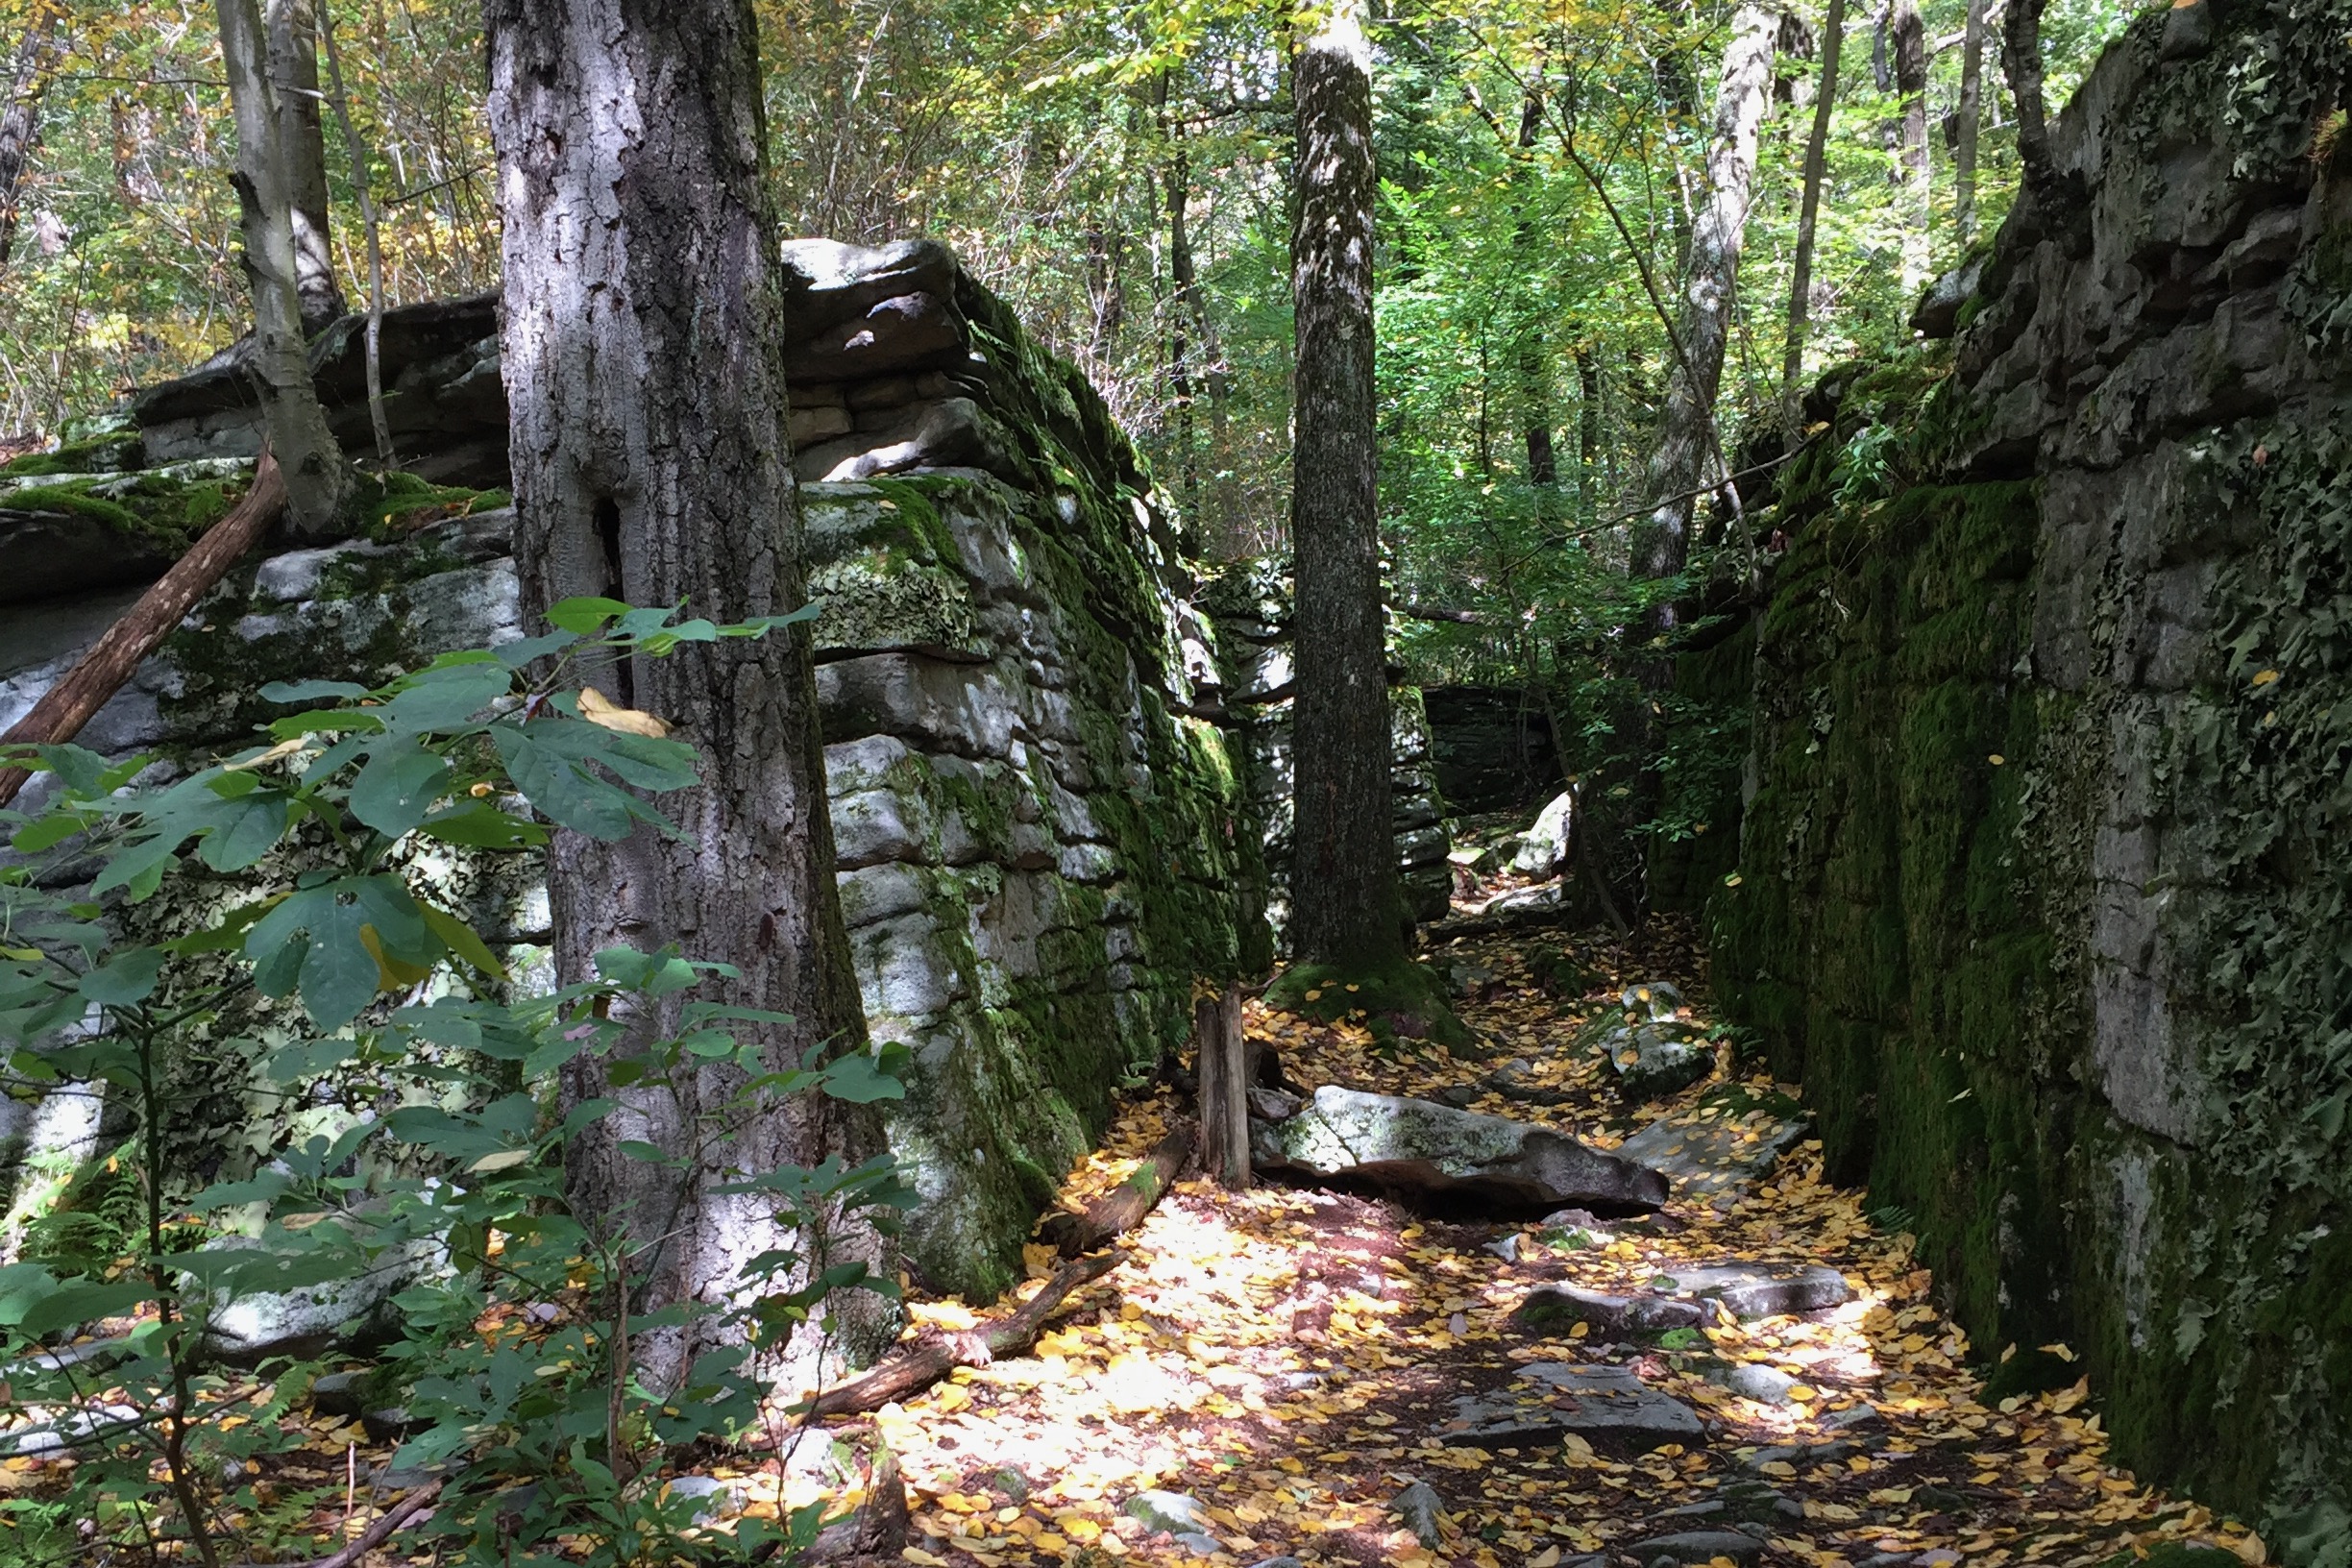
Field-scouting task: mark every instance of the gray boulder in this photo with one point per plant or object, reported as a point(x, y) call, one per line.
point(1609, 1406)
point(1175, 1512)
point(1546, 843)
point(1417, 1507)
point(1654, 1050)
point(1420, 1151)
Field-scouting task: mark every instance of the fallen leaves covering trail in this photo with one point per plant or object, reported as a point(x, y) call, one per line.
point(1289, 1357)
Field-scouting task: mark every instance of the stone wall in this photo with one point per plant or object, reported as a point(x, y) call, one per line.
point(2044, 867)
point(1242, 630)
point(1041, 842)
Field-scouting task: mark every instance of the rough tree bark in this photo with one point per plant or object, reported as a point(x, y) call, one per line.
point(292, 26)
point(1969, 118)
point(317, 479)
point(1685, 458)
point(1907, 37)
point(1808, 216)
point(1343, 875)
point(640, 339)
point(2022, 61)
point(20, 119)
point(1588, 436)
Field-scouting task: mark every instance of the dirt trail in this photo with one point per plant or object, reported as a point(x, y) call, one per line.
point(1287, 1363)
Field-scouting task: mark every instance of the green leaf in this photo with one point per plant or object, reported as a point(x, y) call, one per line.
point(478, 825)
point(462, 940)
point(253, 830)
point(124, 980)
point(72, 1305)
point(310, 691)
point(396, 790)
point(860, 1080)
point(585, 616)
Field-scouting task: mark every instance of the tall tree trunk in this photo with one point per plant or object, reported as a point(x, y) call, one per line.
point(317, 479)
point(373, 231)
point(2021, 60)
point(1588, 436)
point(1685, 458)
point(1971, 117)
point(20, 119)
point(293, 63)
point(1343, 871)
point(1183, 307)
point(641, 337)
point(1907, 35)
point(1535, 367)
point(1808, 216)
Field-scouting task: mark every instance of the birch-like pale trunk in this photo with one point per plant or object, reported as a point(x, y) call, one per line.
point(1686, 457)
point(20, 118)
point(641, 336)
point(292, 26)
point(1343, 871)
point(317, 479)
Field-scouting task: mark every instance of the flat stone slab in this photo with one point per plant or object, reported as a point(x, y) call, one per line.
point(1686, 1298)
point(1753, 1290)
point(1725, 1144)
point(1421, 1151)
point(1609, 1406)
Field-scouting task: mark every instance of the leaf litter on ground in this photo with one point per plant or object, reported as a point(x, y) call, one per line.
point(1286, 1357)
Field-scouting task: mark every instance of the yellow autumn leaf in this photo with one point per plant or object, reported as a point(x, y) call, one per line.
point(601, 710)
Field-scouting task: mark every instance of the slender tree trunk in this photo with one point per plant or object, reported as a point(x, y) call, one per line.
point(316, 477)
point(302, 138)
point(373, 231)
point(1535, 367)
point(1686, 456)
point(2021, 60)
point(1808, 216)
point(1343, 871)
point(1183, 307)
point(20, 120)
point(1971, 115)
point(640, 339)
point(1588, 436)
point(1907, 35)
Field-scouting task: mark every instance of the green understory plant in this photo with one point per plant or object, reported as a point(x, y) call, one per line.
point(428, 1201)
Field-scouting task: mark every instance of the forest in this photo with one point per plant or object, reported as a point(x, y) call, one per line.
point(851, 782)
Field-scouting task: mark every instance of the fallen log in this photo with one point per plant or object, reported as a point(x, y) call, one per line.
point(923, 1360)
point(92, 682)
point(879, 1530)
point(1122, 1209)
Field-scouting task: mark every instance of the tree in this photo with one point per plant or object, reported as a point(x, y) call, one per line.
point(1808, 216)
point(1344, 869)
point(20, 117)
point(293, 63)
point(641, 336)
point(317, 479)
point(2022, 61)
point(1969, 118)
point(1687, 457)
point(1907, 39)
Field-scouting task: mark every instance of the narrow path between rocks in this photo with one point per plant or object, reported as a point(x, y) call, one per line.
point(1298, 1373)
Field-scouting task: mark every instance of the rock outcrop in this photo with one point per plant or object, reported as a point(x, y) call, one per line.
point(1041, 843)
point(2042, 886)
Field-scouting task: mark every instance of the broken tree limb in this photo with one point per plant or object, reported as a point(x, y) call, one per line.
point(1224, 1084)
point(92, 682)
point(921, 1361)
point(1122, 1209)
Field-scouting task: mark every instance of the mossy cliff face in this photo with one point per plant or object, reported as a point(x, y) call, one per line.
point(1042, 844)
point(2044, 870)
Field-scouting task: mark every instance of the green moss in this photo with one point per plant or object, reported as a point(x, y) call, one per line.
point(1403, 1000)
